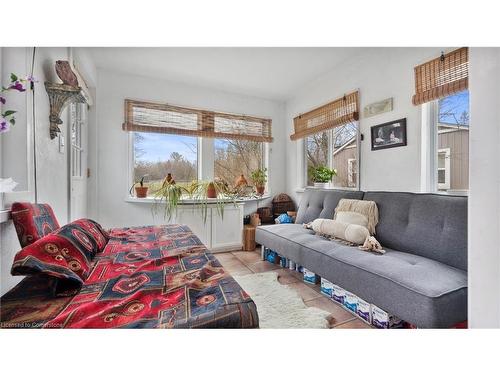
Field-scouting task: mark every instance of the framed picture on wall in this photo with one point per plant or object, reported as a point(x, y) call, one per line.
point(389, 134)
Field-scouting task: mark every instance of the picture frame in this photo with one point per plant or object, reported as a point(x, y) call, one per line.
point(389, 134)
point(377, 108)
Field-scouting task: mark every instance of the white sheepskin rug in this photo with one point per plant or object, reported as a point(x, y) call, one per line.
point(278, 305)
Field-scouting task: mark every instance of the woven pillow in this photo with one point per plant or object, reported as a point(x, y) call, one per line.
point(65, 254)
point(95, 232)
point(33, 221)
point(349, 217)
point(368, 209)
point(351, 233)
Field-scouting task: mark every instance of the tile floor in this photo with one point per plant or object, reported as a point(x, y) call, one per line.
point(247, 262)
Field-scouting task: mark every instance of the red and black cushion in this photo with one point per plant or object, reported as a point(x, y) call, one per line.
point(33, 221)
point(95, 231)
point(65, 254)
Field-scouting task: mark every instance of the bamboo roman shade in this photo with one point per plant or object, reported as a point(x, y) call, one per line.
point(339, 112)
point(443, 76)
point(168, 119)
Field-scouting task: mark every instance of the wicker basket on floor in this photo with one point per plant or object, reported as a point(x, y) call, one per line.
point(282, 203)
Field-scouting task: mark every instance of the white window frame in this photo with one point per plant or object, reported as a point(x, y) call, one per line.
point(331, 165)
point(205, 160)
point(76, 123)
point(429, 152)
point(446, 184)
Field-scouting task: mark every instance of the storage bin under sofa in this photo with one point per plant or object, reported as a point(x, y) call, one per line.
point(422, 277)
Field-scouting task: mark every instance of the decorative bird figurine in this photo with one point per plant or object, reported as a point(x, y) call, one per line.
point(63, 70)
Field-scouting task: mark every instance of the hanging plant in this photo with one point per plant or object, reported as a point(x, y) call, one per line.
point(7, 118)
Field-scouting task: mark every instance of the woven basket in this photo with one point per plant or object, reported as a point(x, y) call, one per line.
point(266, 215)
point(282, 203)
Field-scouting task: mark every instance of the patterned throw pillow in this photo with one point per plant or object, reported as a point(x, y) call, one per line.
point(33, 221)
point(65, 254)
point(94, 229)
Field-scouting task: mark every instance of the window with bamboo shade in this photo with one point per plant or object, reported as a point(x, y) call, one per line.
point(337, 113)
point(443, 76)
point(163, 118)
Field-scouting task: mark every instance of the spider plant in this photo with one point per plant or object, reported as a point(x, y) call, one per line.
point(170, 194)
point(203, 191)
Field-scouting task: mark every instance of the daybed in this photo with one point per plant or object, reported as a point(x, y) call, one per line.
point(422, 277)
point(143, 277)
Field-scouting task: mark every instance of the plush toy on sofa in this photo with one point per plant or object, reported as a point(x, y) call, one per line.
point(353, 234)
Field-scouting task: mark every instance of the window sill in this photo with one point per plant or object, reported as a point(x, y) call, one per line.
point(151, 200)
point(301, 190)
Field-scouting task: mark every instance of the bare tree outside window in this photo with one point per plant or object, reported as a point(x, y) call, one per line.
point(237, 157)
point(453, 143)
point(156, 155)
point(345, 155)
point(316, 147)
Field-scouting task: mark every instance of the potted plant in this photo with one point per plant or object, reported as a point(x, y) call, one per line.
point(322, 176)
point(141, 191)
point(169, 194)
point(202, 191)
point(259, 178)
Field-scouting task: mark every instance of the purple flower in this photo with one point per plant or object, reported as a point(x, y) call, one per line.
point(31, 79)
point(4, 125)
point(17, 86)
point(2, 100)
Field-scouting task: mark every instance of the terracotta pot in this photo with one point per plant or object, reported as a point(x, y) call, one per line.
point(168, 180)
point(141, 191)
point(241, 181)
point(211, 193)
point(260, 190)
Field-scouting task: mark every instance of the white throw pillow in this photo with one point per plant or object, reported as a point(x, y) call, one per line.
point(349, 217)
point(352, 233)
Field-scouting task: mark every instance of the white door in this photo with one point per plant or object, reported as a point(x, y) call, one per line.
point(78, 160)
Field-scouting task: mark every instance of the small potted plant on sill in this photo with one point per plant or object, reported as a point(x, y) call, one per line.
point(141, 191)
point(259, 178)
point(322, 176)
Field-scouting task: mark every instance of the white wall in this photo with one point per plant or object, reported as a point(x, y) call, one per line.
point(484, 191)
point(109, 176)
point(52, 166)
point(378, 73)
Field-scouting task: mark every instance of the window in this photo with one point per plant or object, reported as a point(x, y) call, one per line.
point(235, 157)
point(316, 148)
point(77, 120)
point(345, 155)
point(193, 143)
point(451, 152)
point(155, 155)
point(337, 149)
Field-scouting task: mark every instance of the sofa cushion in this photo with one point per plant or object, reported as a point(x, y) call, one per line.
point(431, 225)
point(317, 203)
point(32, 221)
point(422, 291)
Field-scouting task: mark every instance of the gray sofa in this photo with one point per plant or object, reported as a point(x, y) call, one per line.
point(422, 277)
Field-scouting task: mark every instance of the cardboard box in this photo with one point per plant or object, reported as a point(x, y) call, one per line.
point(326, 287)
point(364, 310)
point(351, 301)
point(310, 277)
point(338, 294)
point(382, 319)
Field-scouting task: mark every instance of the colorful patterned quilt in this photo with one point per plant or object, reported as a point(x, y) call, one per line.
point(154, 277)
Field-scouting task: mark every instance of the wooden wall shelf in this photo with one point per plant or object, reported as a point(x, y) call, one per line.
point(60, 96)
